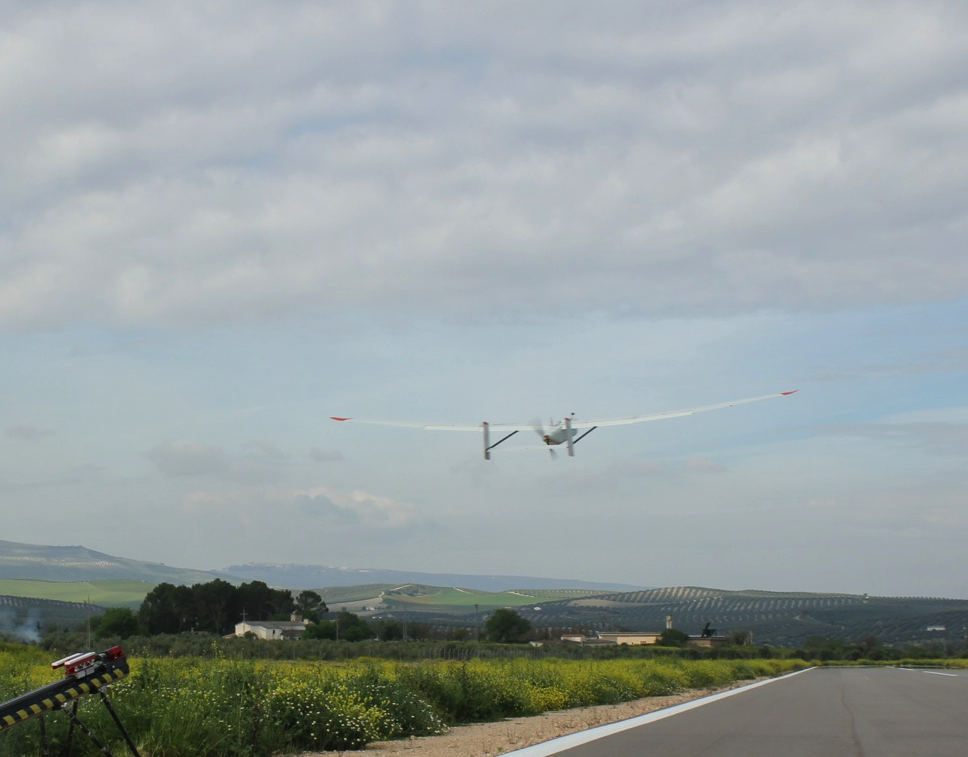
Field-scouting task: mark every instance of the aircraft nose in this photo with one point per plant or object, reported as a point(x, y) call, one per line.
point(546, 439)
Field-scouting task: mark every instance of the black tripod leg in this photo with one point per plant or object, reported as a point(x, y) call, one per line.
point(117, 722)
point(87, 731)
point(43, 736)
point(72, 712)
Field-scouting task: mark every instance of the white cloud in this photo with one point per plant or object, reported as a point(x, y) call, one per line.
point(338, 509)
point(704, 159)
point(225, 221)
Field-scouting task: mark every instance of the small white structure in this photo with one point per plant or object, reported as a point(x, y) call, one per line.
point(630, 638)
point(273, 630)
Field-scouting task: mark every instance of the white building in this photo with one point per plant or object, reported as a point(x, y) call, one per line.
point(273, 630)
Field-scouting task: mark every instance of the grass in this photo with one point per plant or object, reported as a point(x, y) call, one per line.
point(107, 593)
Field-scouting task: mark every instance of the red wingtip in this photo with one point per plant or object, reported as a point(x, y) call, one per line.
point(334, 418)
point(785, 394)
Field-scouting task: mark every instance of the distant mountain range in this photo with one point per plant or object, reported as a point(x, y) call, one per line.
point(75, 563)
point(320, 577)
point(772, 617)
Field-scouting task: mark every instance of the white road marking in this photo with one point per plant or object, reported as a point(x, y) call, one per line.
point(930, 672)
point(562, 743)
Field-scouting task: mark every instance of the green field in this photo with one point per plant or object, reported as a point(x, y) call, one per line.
point(413, 597)
point(107, 593)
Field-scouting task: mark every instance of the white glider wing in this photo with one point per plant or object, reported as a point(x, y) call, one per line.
point(565, 432)
point(438, 426)
point(576, 423)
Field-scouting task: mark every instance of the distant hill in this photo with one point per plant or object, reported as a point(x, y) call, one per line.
point(780, 618)
point(40, 563)
point(111, 592)
point(75, 563)
point(320, 577)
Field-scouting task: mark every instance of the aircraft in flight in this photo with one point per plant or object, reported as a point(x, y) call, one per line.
point(565, 431)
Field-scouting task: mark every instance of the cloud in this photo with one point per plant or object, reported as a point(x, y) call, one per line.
point(188, 459)
point(264, 463)
point(264, 449)
point(938, 437)
point(326, 455)
point(28, 433)
point(421, 164)
point(350, 509)
point(704, 465)
point(371, 510)
point(638, 468)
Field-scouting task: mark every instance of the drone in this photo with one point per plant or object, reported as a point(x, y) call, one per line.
point(568, 431)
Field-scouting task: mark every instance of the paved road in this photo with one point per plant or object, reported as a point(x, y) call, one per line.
point(826, 712)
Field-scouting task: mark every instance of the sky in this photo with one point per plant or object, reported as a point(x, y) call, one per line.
point(222, 223)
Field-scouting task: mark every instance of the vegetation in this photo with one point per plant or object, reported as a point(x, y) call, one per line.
point(776, 618)
point(215, 606)
point(506, 626)
point(194, 707)
point(346, 626)
point(673, 637)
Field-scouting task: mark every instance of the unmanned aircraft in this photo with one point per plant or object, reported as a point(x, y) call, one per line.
point(565, 431)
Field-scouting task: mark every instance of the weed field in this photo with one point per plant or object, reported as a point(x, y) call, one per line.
point(190, 707)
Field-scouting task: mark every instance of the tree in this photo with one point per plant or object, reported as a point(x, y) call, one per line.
point(506, 626)
point(673, 637)
point(346, 627)
point(310, 604)
point(353, 628)
point(255, 599)
point(390, 630)
point(168, 609)
point(324, 629)
point(215, 604)
point(116, 622)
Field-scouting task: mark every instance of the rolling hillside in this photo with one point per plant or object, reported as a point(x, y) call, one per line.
point(38, 581)
point(317, 577)
point(784, 619)
point(107, 593)
point(40, 563)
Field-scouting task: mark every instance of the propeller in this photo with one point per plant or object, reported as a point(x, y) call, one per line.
point(539, 430)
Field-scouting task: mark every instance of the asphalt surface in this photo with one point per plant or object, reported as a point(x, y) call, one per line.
point(824, 712)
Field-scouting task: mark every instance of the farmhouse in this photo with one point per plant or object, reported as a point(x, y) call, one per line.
point(630, 637)
point(706, 639)
point(273, 630)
